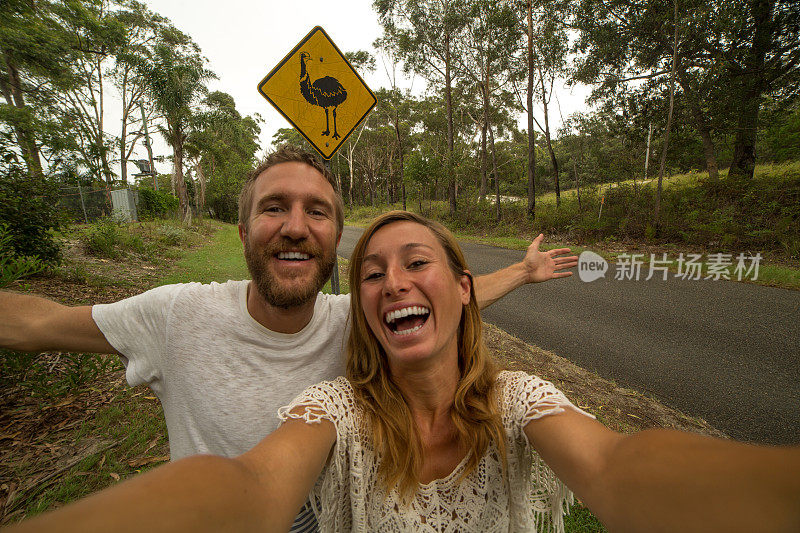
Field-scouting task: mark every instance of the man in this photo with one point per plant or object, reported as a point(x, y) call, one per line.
point(223, 357)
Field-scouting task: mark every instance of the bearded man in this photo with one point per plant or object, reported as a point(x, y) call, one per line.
point(223, 357)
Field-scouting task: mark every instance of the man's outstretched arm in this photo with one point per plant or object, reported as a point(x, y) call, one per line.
point(535, 267)
point(34, 324)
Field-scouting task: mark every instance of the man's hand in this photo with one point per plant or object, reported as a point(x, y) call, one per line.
point(543, 266)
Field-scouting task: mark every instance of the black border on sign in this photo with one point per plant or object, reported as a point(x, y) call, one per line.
point(285, 59)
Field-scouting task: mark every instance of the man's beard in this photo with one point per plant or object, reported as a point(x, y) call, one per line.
point(271, 288)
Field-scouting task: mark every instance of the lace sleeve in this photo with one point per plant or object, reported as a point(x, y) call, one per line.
point(327, 400)
point(529, 398)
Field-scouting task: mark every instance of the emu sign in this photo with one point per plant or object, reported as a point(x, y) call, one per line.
point(317, 90)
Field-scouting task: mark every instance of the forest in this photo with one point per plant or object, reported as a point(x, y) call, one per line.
point(709, 91)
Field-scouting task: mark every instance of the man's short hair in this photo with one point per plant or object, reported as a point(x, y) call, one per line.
point(286, 154)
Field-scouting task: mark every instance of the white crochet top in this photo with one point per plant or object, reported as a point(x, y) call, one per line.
point(348, 496)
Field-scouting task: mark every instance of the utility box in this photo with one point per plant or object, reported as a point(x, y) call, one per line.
point(123, 205)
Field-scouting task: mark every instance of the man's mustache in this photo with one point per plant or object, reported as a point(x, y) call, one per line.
point(288, 245)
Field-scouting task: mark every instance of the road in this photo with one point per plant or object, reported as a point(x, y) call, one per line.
point(724, 351)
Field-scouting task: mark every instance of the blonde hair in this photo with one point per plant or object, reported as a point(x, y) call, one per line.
point(475, 412)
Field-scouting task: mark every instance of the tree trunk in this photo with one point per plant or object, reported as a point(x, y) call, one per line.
point(750, 88)
point(531, 131)
point(482, 192)
point(12, 90)
point(201, 192)
point(669, 120)
point(499, 213)
point(451, 179)
point(553, 160)
point(701, 124)
point(180, 186)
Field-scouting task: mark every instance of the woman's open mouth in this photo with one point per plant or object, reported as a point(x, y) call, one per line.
point(407, 320)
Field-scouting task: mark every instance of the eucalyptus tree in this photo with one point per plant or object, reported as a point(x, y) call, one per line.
point(732, 54)
point(485, 60)
point(423, 33)
point(36, 65)
point(97, 34)
point(175, 76)
point(222, 148)
point(142, 27)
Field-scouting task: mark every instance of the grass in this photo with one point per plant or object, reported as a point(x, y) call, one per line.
point(219, 261)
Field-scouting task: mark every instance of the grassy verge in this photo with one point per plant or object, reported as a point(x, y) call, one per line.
point(219, 260)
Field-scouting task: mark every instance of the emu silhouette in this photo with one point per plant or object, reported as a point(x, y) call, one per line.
point(325, 92)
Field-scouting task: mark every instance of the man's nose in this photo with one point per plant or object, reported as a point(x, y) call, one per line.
point(295, 225)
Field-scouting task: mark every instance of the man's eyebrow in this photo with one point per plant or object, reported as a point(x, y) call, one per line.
point(308, 198)
point(407, 246)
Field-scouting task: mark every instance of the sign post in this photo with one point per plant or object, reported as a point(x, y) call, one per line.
point(317, 90)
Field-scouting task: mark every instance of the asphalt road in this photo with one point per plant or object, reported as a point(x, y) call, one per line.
point(724, 351)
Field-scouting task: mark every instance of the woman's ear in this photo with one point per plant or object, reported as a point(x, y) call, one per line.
point(465, 285)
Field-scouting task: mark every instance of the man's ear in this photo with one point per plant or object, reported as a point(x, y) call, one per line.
point(465, 284)
point(242, 233)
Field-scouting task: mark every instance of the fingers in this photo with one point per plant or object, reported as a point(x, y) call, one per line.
point(536, 242)
point(561, 274)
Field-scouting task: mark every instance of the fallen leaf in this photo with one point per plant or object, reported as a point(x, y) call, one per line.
point(150, 398)
point(114, 475)
point(634, 416)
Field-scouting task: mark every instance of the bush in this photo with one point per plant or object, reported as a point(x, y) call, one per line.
point(170, 235)
point(102, 238)
point(12, 266)
point(155, 204)
point(28, 209)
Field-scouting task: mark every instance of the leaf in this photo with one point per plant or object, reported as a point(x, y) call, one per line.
point(114, 475)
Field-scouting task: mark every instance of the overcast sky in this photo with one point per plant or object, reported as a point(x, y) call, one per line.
point(244, 39)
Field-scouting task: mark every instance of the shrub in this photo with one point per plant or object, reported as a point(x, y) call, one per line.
point(12, 266)
point(155, 204)
point(102, 238)
point(28, 209)
point(170, 235)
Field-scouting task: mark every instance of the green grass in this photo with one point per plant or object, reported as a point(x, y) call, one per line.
point(221, 260)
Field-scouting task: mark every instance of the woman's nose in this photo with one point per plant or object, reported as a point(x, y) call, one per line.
point(396, 281)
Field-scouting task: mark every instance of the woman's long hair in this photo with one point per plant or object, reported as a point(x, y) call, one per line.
point(395, 437)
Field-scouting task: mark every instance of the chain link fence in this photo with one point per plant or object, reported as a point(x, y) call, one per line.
point(87, 204)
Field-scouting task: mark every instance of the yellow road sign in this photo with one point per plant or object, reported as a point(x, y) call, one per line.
point(317, 90)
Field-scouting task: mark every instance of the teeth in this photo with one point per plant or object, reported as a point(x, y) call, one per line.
point(293, 255)
point(391, 316)
point(407, 331)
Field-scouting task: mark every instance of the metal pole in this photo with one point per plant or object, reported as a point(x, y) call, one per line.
point(335, 274)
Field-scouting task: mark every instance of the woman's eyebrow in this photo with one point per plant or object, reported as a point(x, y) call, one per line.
point(407, 246)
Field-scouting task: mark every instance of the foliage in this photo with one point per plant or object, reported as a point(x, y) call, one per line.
point(102, 238)
point(12, 266)
point(155, 204)
point(28, 210)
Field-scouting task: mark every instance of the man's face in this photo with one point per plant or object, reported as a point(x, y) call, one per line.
point(291, 236)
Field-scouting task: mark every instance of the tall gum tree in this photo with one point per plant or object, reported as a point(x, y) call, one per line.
point(175, 77)
point(423, 33)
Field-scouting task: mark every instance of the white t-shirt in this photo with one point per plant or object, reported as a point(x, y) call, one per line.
point(218, 373)
point(349, 497)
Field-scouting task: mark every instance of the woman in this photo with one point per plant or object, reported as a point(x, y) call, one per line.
point(426, 435)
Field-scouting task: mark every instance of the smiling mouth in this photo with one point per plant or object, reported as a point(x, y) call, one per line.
point(407, 320)
point(293, 256)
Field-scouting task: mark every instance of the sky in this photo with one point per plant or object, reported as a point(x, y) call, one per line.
point(244, 39)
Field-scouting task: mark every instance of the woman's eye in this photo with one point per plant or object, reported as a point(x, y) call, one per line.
point(373, 276)
point(418, 263)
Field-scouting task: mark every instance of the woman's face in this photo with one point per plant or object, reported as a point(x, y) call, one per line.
point(410, 297)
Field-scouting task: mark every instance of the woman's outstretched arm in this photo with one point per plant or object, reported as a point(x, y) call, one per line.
point(261, 490)
point(666, 480)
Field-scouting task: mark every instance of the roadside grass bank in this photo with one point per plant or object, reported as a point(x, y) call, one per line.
point(72, 426)
point(699, 215)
